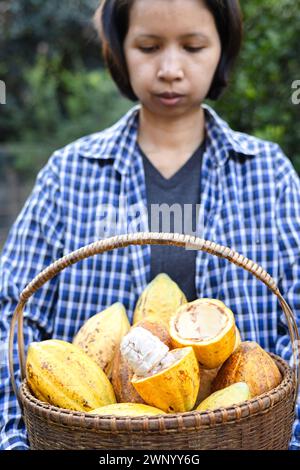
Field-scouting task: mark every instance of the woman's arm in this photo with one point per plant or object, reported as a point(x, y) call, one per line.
point(34, 241)
point(289, 281)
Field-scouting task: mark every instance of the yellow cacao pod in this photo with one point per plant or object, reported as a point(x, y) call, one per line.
point(174, 388)
point(127, 409)
point(100, 336)
point(249, 363)
point(62, 374)
point(160, 300)
point(232, 395)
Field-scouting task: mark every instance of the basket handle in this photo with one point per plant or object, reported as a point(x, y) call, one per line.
point(143, 238)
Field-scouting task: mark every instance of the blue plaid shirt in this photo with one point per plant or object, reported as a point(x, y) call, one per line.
point(250, 201)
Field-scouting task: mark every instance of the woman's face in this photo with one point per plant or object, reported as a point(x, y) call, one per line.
point(171, 46)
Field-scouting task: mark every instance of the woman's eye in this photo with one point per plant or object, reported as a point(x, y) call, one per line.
point(148, 50)
point(193, 49)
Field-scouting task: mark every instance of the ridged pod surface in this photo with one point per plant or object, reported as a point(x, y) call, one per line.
point(174, 389)
point(122, 372)
point(232, 395)
point(62, 374)
point(159, 300)
point(100, 336)
point(250, 364)
point(127, 409)
point(211, 351)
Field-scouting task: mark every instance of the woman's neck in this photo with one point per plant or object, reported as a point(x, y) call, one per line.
point(168, 143)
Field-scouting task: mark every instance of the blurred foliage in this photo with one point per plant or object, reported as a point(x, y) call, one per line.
point(58, 90)
point(259, 99)
point(47, 122)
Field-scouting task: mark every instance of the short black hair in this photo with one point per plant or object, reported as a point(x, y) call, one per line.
point(111, 20)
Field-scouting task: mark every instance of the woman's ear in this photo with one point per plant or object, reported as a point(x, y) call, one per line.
point(97, 19)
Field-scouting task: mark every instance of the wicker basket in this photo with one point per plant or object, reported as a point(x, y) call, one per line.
point(264, 422)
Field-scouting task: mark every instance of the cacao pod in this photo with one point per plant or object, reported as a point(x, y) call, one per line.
point(250, 364)
point(208, 326)
point(100, 336)
point(159, 300)
point(127, 409)
point(174, 388)
point(232, 395)
point(121, 381)
point(122, 373)
point(62, 374)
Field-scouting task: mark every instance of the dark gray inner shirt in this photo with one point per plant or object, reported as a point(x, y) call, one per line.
point(179, 190)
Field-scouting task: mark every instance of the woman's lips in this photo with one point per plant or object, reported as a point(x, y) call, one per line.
point(170, 101)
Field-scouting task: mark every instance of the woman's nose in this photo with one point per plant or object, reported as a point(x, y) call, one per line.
point(170, 67)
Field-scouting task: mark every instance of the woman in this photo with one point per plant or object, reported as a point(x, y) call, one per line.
point(169, 149)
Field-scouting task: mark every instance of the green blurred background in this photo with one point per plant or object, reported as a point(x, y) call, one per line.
point(58, 89)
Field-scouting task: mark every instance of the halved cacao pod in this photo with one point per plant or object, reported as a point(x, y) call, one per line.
point(251, 364)
point(100, 336)
point(238, 338)
point(159, 300)
point(209, 327)
point(175, 388)
point(121, 370)
point(121, 381)
point(127, 409)
point(63, 375)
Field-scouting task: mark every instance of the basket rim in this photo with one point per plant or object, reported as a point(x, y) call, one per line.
point(176, 421)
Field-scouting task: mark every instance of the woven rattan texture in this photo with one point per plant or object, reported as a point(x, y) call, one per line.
point(262, 423)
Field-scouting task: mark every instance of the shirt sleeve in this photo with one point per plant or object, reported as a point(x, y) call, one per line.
point(288, 223)
point(34, 242)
